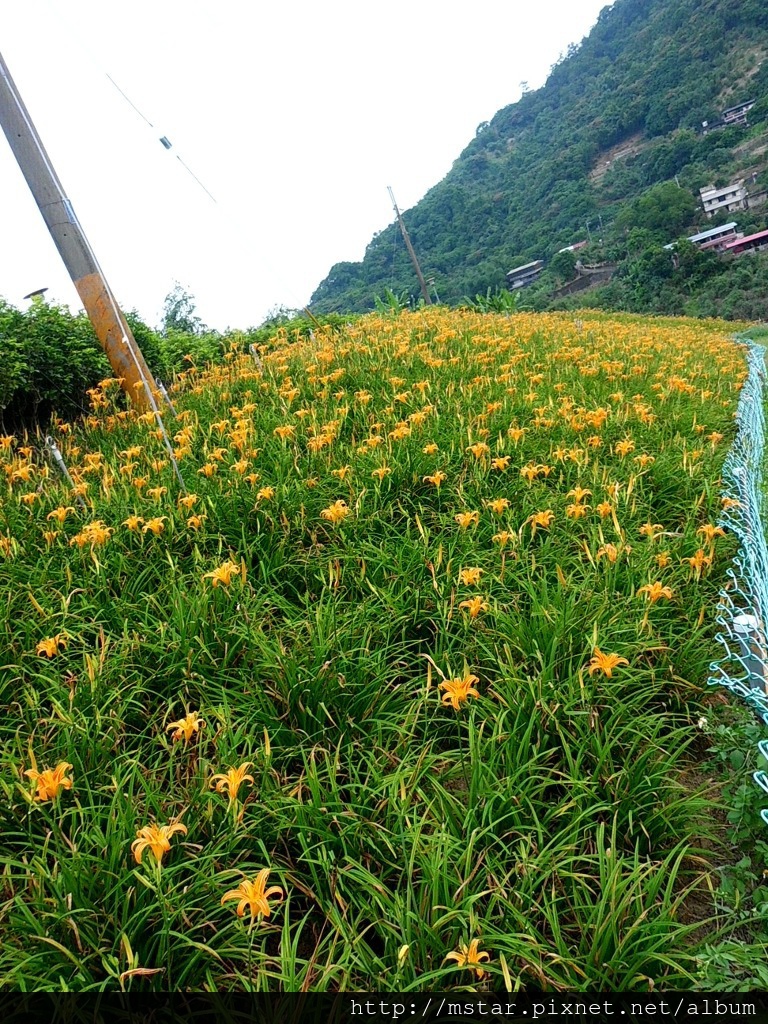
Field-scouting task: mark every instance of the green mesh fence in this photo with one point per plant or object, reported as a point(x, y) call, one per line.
point(743, 606)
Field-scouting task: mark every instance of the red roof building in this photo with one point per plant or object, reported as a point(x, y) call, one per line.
point(748, 244)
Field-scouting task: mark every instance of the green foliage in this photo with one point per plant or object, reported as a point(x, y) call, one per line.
point(53, 357)
point(700, 285)
point(391, 303)
point(498, 300)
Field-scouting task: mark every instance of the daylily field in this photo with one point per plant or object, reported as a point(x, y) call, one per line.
point(401, 690)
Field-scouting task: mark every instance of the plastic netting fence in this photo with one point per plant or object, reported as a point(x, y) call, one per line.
point(743, 607)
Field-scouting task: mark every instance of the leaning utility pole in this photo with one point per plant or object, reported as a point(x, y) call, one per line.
point(411, 253)
point(112, 330)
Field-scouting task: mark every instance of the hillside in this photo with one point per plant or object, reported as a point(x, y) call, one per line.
point(619, 114)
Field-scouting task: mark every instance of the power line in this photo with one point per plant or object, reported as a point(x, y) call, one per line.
point(164, 141)
point(235, 223)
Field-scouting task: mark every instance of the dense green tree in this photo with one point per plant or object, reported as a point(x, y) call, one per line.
point(665, 210)
point(563, 265)
point(180, 312)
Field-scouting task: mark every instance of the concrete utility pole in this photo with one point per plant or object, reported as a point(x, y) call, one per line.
point(112, 330)
point(411, 253)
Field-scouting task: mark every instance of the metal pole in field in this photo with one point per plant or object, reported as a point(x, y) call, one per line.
point(112, 330)
point(411, 253)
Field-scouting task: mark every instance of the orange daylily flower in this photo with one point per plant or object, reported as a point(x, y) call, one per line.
point(436, 478)
point(232, 780)
point(254, 895)
point(50, 781)
point(466, 519)
point(457, 691)
point(50, 646)
point(155, 838)
point(474, 606)
point(498, 505)
point(543, 519)
point(186, 727)
point(655, 591)
point(224, 573)
point(605, 663)
point(337, 512)
point(471, 957)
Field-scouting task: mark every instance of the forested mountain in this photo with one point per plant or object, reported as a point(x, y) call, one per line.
point(619, 115)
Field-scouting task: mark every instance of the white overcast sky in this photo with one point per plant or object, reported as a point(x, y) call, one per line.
point(295, 115)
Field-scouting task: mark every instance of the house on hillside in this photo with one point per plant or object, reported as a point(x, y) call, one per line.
point(520, 277)
point(574, 248)
point(752, 243)
point(728, 118)
point(737, 114)
point(730, 197)
point(713, 238)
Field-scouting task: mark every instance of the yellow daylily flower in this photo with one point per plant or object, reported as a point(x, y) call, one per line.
point(284, 432)
point(155, 838)
point(623, 448)
point(699, 560)
point(466, 519)
point(502, 538)
point(156, 525)
point(223, 574)
point(436, 478)
point(254, 895)
point(50, 646)
point(605, 663)
point(186, 727)
point(337, 512)
point(655, 591)
point(232, 780)
point(651, 530)
point(479, 449)
point(94, 534)
point(60, 513)
point(50, 781)
point(576, 510)
point(498, 505)
point(579, 494)
point(457, 691)
point(709, 532)
point(543, 519)
point(471, 957)
point(474, 606)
